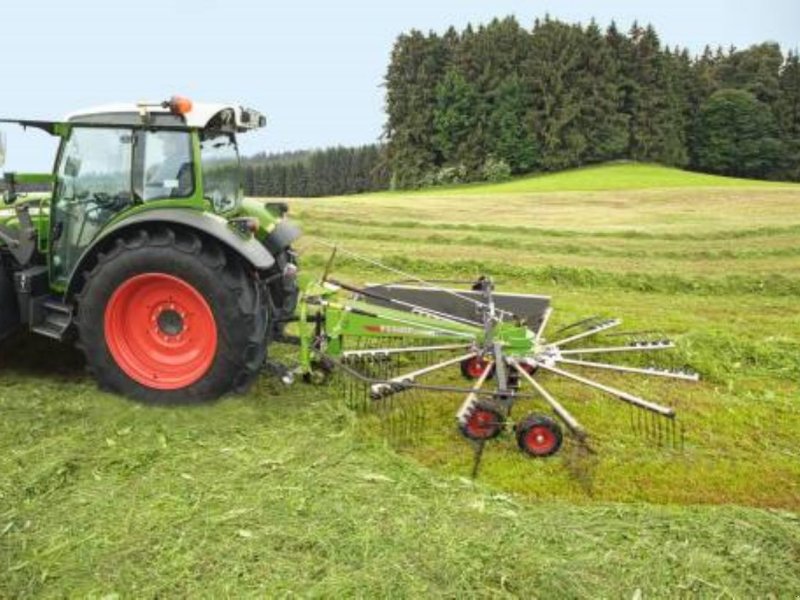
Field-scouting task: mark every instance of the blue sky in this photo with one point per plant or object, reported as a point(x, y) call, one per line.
point(315, 68)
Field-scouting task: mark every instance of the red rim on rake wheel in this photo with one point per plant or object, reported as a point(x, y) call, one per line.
point(484, 422)
point(160, 331)
point(473, 368)
point(539, 436)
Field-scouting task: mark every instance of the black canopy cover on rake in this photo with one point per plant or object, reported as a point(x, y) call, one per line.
point(389, 341)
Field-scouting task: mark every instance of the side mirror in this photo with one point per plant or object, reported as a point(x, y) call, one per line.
point(2, 149)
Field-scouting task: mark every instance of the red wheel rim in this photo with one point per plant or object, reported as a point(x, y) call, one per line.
point(160, 331)
point(476, 366)
point(529, 369)
point(540, 439)
point(482, 424)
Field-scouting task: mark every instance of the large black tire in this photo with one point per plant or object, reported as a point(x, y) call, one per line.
point(234, 300)
point(284, 293)
point(9, 311)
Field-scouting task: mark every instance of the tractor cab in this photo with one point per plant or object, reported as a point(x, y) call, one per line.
point(119, 159)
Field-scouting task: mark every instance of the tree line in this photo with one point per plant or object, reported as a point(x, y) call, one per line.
point(328, 172)
point(486, 103)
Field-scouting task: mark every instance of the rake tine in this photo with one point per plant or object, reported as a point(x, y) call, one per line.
point(594, 330)
point(657, 427)
point(476, 464)
point(649, 332)
point(472, 398)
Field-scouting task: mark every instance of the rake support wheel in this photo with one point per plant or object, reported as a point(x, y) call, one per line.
point(473, 368)
point(539, 436)
point(484, 422)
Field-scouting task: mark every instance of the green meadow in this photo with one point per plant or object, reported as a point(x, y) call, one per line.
point(286, 491)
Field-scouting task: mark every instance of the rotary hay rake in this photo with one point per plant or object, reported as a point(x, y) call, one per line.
point(388, 343)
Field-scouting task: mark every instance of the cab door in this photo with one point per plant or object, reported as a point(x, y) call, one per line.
point(93, 184)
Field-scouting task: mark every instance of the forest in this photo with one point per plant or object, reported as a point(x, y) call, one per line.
point(499, 100)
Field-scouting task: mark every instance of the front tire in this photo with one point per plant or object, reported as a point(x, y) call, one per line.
point(168, 317)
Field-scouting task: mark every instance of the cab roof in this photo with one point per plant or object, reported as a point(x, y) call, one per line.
point(200, 116)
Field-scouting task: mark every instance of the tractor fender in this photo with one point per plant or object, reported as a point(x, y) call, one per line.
point(250, 249)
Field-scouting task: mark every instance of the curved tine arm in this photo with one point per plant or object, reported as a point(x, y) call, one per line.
point(619, 394)
point(570, 421)
point(625, 369)
point(412, 376)
point(606, 325)
point(543, 324)
point(641, 347)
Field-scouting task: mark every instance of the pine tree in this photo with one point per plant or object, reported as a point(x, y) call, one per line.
point(550, 74)
point(657, 129)
point(509, 137)
point(454, 118)
point(755, 69)
point(416, 66)
point(603, 125)
point(788, 113)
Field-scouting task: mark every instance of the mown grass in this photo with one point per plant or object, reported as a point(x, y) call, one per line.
point(286, 491)
point(281, 493)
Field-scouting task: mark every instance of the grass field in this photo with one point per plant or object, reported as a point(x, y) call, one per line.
point(287, 492)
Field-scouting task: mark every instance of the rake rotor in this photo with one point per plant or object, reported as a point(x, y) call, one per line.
point(393, 340)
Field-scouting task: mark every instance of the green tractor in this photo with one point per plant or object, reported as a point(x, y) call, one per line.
point(145, 252)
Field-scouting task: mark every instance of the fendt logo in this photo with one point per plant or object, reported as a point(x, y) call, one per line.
point(394, 330)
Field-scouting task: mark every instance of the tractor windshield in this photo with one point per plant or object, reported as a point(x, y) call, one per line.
point(222, 183)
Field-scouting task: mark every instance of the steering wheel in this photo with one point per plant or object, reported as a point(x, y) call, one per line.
point(106, 201)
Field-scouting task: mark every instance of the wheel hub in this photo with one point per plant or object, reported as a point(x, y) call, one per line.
point(170, 322)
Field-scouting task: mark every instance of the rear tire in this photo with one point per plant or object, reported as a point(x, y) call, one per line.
point(167, 317)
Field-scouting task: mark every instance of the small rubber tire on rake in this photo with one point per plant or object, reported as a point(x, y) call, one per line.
point(473, 368)
point(485, 421)
point(539, 436)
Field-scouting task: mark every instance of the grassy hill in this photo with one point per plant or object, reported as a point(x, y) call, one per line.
point(610, 176)
point(287, 492)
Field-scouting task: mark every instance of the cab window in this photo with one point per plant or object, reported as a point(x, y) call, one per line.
point(166, 164)
point(222, 184)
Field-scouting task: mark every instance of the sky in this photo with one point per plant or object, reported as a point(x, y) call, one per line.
point(314, 68)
